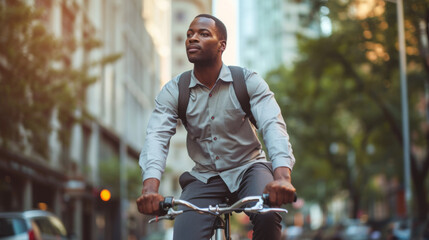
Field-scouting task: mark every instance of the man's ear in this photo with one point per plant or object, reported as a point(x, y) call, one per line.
point(222, 46)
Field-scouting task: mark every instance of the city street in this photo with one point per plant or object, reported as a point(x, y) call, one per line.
point(106, 104)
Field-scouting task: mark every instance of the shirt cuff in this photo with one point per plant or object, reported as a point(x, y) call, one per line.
point(284, 162)
point(152, 173)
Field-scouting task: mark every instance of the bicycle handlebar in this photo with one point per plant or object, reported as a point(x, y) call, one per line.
point(166, 207)
point(266, 198)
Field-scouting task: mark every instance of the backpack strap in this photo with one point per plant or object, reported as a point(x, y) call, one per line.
point(184, 80)
point(238, 83)
point(240, 89)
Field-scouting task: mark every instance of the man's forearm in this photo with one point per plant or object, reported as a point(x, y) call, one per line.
point(150, 185)
point(282, 173)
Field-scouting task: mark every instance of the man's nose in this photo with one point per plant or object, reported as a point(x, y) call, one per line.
point(193, 38)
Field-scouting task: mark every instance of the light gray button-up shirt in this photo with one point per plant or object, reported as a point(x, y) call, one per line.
point(220, 140)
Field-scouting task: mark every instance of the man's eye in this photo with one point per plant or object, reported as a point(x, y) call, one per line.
point(204, 34)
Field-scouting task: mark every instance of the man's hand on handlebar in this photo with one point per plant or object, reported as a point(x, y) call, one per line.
point(281, 191)
point(148, 202)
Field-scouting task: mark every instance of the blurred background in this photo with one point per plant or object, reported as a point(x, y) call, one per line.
point(78, 80)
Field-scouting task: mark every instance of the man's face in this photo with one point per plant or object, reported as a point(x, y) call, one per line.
point(202, 41)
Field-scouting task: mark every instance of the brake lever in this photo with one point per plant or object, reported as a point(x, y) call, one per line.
point(273, 210)
point(171, 215)
point(159, 218)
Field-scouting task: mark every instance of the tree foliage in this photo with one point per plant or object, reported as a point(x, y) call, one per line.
point(38, 83)
point(110, 177)
point(343, 108)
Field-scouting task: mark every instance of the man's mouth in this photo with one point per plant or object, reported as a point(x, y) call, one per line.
point(193, 48)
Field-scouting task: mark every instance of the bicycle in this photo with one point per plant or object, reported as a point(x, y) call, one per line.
point(169, 213)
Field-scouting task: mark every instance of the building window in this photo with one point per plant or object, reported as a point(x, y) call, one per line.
point(67, 22)
point(180, 39)
point(45, 7)
point(303, 19)
point(180, 63)
point(180, 16)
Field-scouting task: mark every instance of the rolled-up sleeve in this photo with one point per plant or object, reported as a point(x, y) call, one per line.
point(161, 127)
point(270, 121)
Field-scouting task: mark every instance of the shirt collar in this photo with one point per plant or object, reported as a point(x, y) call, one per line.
point(224, 75)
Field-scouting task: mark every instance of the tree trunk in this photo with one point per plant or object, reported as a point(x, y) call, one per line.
point(419, 174)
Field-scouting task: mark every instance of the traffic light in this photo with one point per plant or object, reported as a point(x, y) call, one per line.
point(105, 195)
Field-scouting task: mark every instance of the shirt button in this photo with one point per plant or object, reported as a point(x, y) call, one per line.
point(212, 117)
point(210, 95)
point(217, 157)
point(215, 138)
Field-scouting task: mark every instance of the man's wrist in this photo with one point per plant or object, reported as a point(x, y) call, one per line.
point(283, 173)
point(150, 185)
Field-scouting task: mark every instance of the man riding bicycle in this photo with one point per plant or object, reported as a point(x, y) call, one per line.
point(229, 160)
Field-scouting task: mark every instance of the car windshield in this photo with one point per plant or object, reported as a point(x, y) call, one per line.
point(11, 226)
point(59, 227)
point(50, 226)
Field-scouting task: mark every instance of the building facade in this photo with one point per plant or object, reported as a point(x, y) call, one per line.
point(182, 14)
point(268, 32)
point(104, 149)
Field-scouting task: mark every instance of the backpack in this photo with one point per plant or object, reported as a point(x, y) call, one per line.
point(238, 83)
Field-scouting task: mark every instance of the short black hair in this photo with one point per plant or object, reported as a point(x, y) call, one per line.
point(219, 25)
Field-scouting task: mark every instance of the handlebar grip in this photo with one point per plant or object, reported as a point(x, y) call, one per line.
point(266, 198)
point(165, 205)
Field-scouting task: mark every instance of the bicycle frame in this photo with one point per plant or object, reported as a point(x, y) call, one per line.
point(222, 225)
point(217, 210)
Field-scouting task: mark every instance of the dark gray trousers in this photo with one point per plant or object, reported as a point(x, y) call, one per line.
point(195, 226)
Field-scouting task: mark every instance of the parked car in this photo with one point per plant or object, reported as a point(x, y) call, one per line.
point(31, 225)
point(354, 229)
point(293, 232)
point(401, 229)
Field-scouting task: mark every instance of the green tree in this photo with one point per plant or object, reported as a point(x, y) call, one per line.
point(342, 104)
point(110, 177)
point(37, 80)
